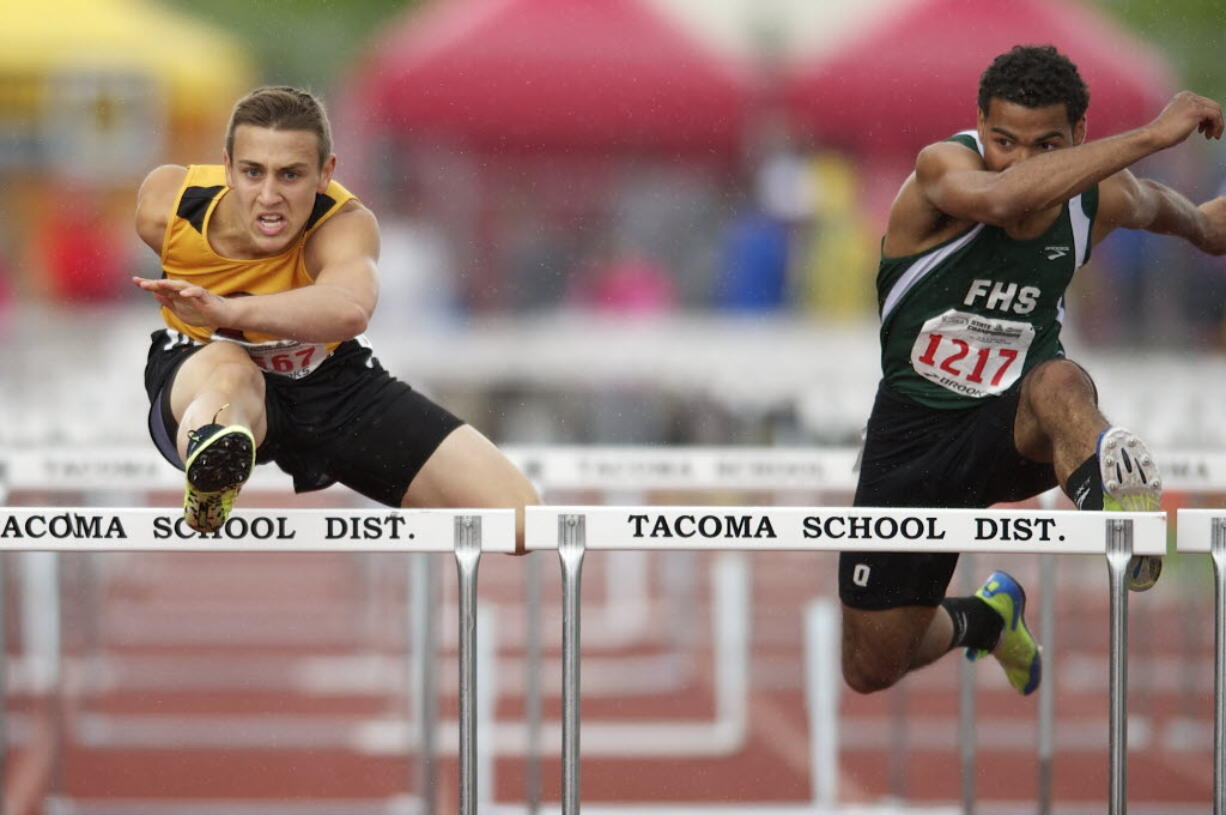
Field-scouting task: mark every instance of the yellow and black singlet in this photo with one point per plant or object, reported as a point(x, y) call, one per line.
point(187, 255)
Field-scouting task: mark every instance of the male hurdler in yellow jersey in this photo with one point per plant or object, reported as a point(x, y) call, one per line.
point(269, 280)
point(187, 255)
point(221, 458)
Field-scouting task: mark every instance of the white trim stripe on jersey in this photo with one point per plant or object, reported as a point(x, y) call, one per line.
point(974, 134)
point(922, 267)
point(1081, 230)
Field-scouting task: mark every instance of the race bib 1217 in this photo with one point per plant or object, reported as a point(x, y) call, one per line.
point(971, 354)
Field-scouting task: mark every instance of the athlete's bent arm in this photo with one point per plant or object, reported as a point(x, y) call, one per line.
point(1139, 203)
point(964, 189)
point(341, 255)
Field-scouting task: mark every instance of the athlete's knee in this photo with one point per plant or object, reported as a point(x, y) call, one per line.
point(1060, 379)
point(871, 662)
point(237, 375)
point(867, 670)
point(879, 647)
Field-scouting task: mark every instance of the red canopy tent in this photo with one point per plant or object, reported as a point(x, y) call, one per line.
point(914, 79)
point(552, 74)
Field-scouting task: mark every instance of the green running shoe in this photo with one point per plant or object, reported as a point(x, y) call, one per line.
point(219, 461)
point(1016, 650)
point(1131, 483)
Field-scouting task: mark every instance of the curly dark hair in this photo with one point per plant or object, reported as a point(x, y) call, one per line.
point(1035, 76)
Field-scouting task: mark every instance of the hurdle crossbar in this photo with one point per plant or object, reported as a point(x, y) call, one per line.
point(1204, 531)
point(86, 529)
point(465, 532)
point(572, 530)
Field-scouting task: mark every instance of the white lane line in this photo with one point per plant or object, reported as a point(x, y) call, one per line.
point(389, 735)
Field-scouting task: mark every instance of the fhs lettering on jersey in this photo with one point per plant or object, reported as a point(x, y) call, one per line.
point(1055, 252)
point(1001, 296)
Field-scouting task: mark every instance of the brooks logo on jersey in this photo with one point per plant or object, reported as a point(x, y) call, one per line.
point(1055, 252)
point(1003, 296)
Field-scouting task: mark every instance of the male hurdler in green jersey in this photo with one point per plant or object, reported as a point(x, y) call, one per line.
point(977, 403)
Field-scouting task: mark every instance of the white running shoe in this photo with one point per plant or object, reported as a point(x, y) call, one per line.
point(1131, 483)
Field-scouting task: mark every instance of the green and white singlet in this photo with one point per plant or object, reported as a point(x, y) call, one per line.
point(966, 319)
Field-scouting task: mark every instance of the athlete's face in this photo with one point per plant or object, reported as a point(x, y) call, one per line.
point(274, 176)
point(1011, 132)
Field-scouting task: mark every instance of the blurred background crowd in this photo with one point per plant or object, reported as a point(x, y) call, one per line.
point(537, 160)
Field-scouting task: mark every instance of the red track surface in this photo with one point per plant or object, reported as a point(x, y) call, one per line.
point(250, 623)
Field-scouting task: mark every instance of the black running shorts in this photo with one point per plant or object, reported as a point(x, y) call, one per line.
point(916, 456)
point(349, 421)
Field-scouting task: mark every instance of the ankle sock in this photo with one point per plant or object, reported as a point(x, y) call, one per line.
point(976, 624)
point(1085, 485)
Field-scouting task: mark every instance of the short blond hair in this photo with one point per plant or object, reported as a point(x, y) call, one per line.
point(280, 107)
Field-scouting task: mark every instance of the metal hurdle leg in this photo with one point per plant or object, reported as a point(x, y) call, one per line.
point(4, 665)
point(422, 603)
point(966, 705)
point(1047, 690)
point(822, 687)
point(1119, 551)
point(900, 738)
point(532, 684)
point(467, 554)
point(571, 543)
point(1218, 553)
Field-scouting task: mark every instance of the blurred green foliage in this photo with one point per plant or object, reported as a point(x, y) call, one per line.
point(310, 43)
point(1189, 32)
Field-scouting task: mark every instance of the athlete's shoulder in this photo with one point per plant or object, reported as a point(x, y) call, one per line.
point(916, 221)
point(351, 218)
point(162, 182)
point(205, 175)
point(955, 153)
point(337, 205)
point(163, 186)
point(155, 200)
point(337, 191)
point(968, 139)
point(350, 236)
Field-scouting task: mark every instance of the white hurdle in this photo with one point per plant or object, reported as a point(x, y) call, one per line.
point(574, 530)
point(1204, 530)
point(466, 532)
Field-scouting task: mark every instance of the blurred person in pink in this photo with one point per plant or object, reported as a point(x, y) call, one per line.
point(625, 281)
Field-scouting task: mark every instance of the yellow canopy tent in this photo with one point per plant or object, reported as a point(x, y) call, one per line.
point(115, 58)
point(94, 94)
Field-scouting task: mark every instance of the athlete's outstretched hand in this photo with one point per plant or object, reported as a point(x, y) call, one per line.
point(1184, 114)
point(192, 304)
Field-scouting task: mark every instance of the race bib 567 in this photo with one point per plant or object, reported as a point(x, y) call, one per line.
point(971, 354)
point(288, 358)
